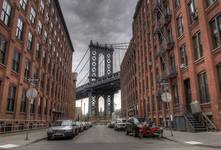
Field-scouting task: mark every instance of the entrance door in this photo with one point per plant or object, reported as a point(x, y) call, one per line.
point(188, 96)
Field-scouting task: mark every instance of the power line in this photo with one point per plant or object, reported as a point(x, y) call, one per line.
point(81, 60)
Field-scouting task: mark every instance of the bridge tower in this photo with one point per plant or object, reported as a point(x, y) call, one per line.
point(100, 55)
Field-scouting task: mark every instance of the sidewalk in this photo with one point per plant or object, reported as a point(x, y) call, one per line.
point(18, 139)
point(206, 139)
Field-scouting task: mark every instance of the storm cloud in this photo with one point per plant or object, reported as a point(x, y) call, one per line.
point(105, 21)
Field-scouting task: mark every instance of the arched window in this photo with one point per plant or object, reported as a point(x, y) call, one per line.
point(101, 65)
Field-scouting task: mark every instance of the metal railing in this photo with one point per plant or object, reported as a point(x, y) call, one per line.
point(14, 126)
point(207, 122)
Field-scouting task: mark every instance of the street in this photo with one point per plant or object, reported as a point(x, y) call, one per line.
point(102, 138)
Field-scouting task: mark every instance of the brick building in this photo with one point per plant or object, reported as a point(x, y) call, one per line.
point(178, 50)
point(129, 82)
point(34, 43)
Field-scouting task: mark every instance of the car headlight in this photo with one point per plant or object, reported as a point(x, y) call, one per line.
point(50, 130)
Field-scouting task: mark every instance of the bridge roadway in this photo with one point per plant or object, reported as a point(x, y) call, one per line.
point(106, 84)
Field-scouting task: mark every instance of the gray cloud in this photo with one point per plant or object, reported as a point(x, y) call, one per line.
point(106, 21)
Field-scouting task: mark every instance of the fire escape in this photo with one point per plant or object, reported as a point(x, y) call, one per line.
point(163, 31)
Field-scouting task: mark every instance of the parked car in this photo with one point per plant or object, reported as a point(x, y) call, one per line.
point(78, 126)
point(120, 124)
point(61, 128)
point(150, 129)
point(81, 127)
point(84, 125)
point(111, 124)
point(133, 125)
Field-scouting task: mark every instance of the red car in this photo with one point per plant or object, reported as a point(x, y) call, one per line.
point(150, 130)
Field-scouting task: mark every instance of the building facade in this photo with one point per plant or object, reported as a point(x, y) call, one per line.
point(129, 101)
point(34, 43)
point(178, 51)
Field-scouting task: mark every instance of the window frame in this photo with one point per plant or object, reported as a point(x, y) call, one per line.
point(203, 87)
point(197, 46)
point(6, 12)
point(30, 41)
point(11, 98)
point(183, 55)
point(32, 15)
point(3, 50)
point(216, 37)
point(23, 4)
point(23, 102)
point(19, 29)
point(16, 61)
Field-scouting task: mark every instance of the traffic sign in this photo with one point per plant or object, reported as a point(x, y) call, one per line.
point(166, 97)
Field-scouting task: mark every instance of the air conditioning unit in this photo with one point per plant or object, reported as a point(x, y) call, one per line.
point(182, 66)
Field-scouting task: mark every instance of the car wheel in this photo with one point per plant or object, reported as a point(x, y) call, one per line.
point(127, 133)
point(140, 135)
point(134, 133)
point(49, 138)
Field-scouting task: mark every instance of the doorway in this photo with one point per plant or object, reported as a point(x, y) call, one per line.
point(188, 96)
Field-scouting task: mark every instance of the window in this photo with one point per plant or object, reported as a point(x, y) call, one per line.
point(16, 61)
point(38, 51)
point(27, 70)
point(219, 75)
point(2, 50)
point(23, 101)
point(180, 25)
point(177, 3)
point(215, 26)
point(193, 12)
point(39, 28)
point(198, 50)
point(6, 12)
point(23, 3)
point(32, 15)
point(183, 55)
point(209, 2)
point(175, 95)
point(19, 31)
point(30, 41)
point(203, 87)
point(11, 98)
point(42, 6)
point(45, 36)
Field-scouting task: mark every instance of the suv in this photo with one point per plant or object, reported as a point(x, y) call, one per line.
point(61, 128)
point(133, 124)
point(120, 124)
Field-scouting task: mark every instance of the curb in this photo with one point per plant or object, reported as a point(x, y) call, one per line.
point(200, 145)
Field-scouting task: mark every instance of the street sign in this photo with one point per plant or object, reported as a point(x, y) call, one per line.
point(166, 97)
point(32, 93)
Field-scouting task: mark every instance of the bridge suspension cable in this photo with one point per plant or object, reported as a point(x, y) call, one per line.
point(82, 59)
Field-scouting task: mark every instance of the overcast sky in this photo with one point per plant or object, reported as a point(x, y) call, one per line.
point(105, 21)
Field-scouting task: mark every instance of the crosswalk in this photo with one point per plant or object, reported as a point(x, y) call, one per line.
point(8, 146)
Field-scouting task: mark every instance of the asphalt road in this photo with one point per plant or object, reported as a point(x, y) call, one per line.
point(103, 138)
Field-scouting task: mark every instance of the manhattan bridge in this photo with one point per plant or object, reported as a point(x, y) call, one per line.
point(99, 76)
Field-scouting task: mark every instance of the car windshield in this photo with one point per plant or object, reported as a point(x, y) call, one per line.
point(138, 120)
point(62, 123)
